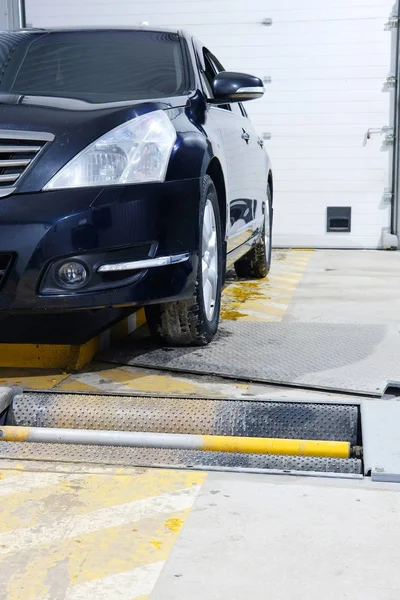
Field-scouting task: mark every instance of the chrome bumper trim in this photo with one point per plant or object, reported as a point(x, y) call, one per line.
point(148, 263)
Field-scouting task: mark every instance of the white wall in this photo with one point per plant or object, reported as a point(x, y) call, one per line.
point(328, 61)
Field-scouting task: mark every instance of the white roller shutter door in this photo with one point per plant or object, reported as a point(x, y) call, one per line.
point(328, 62)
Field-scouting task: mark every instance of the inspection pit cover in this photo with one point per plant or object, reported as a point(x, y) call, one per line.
point(338, 357)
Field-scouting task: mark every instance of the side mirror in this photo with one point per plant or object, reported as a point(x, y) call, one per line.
point(236, 87)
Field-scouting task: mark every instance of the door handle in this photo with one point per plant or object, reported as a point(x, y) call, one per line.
point(245, 136)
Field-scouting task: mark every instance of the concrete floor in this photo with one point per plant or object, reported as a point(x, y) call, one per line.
point(348, 286)
point(294, 538)
point(251, 536)
point(246, 536)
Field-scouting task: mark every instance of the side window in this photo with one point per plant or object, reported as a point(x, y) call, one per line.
point(243, 110)
point(235, 108)
point(210, 71)
point(212, 67)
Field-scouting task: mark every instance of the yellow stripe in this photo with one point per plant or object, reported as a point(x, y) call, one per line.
point(265, 299)
point(48, 356)
point(276, 446)
point(85, 548)
point(28, 378)
point(84, 494)
point(61, 356)
point(75, 561)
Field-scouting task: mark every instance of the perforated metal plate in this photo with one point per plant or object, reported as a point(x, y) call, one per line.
point(340, 357)
point(175, 415)
point(140, 457)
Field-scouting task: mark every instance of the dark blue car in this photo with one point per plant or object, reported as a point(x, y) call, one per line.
point(130, 175)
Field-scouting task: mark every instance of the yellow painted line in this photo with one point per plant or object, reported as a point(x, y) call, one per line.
point(125, 380)
point(86, 535)
point(265, 300)
point(157, 383)
point(75, 385)
point(81, 493)
point(30, 379)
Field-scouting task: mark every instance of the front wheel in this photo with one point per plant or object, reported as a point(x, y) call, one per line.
point(257, 262)
point(195, 321)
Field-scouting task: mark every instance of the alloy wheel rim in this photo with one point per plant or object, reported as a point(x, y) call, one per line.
point(209, 260)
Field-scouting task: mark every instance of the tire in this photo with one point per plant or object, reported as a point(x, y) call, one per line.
point(194, 322)
point(257, 262)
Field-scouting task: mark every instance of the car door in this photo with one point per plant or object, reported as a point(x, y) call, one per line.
point(238, 150)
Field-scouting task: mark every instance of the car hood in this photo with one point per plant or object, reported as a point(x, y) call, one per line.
point(74, 124)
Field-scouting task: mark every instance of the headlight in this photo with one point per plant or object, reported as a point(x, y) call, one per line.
point(136, 151)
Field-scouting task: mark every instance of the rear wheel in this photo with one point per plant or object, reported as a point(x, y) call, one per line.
point(257, 262)
point(195, 321)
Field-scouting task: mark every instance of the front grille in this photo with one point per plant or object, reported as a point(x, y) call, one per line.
point(17, 151)
point(5, 264)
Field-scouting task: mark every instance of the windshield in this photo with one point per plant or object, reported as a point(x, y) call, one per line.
point(95, 66)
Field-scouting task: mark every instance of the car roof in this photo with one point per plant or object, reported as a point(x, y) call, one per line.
point(105, 29)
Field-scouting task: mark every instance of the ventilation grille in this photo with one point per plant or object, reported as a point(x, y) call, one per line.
point(5, 264)
point(17, 150)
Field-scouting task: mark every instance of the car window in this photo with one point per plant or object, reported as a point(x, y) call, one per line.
point(212, 67)
point(95, 66)
point(235, 108)
point(243, 110)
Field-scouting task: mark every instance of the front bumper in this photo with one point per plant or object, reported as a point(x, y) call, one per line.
point(99, 226)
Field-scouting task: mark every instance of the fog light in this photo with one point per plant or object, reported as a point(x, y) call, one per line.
point(72, 274)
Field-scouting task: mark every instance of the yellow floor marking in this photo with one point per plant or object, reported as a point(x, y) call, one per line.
point(83, 494)
point(90, 557)
point(82, 530)
point(74, 385)
point(30, 378)
point(149, 383)
point(141, 380)
point(265, 299)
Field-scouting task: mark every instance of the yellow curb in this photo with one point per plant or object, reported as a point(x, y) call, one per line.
point(65, 356)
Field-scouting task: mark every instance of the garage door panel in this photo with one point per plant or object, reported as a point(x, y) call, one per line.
point(190, 13)
point(328, 62)
point(376, 75)
point(328, 119)
point(316, 107)
point(299, 97)
point(320, 164)
point(208, 6)
point(363, 85)
point(324, 154)
point(261, 60)
point(331, 198)
point(314, 136)
point(329, 175)
point(268, 37)
point(320, 187)
point(286, 31)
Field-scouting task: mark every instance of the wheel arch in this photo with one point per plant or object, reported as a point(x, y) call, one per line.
point(271, 184)
point(214, 170)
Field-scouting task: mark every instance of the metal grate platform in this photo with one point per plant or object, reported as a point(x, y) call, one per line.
point(337, 357)
point(178, 459)
point(176, 415)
